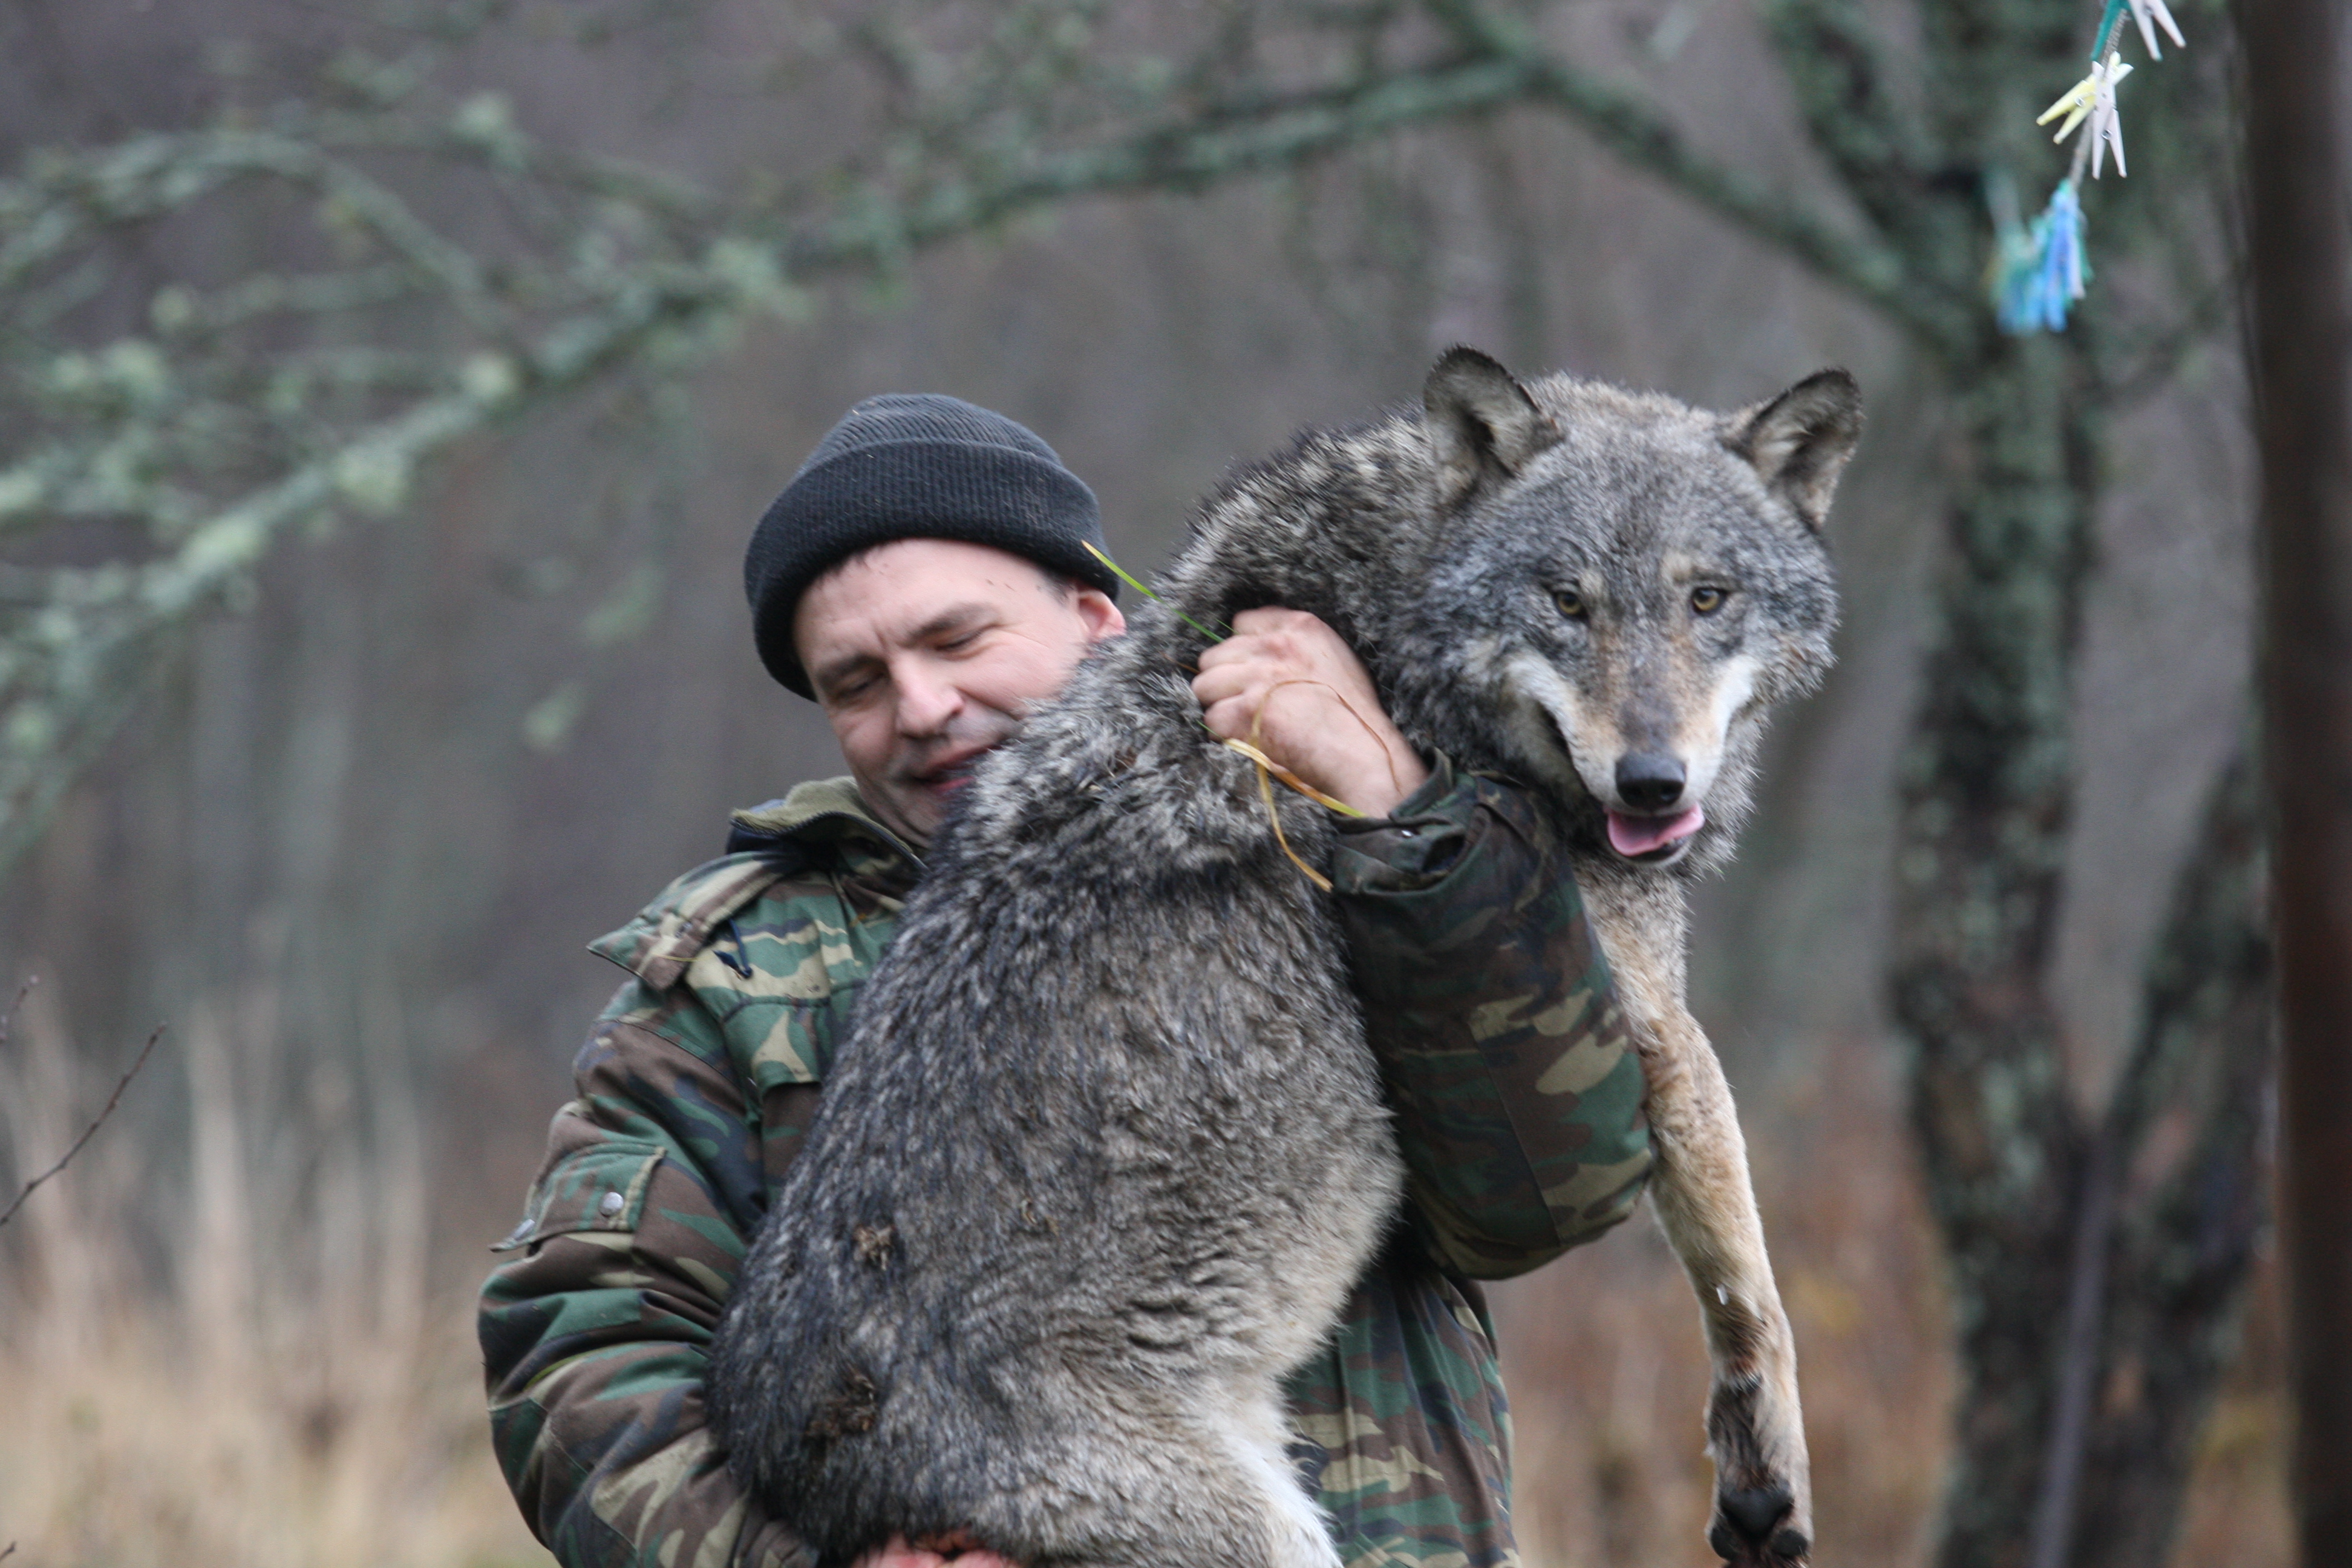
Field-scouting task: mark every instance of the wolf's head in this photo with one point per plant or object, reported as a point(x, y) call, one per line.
point(1619, 587)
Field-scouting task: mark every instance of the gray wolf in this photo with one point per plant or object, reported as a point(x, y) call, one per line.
point(1106, 1150)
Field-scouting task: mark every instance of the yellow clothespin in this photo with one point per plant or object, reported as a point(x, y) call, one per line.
point(2093, 97)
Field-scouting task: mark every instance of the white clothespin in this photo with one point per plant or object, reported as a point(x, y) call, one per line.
point(2151, 14)
point(2093, 97)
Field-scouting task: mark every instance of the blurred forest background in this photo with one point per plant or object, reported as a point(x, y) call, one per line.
point(478, 336)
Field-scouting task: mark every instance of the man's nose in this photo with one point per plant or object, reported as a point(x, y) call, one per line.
point(927, 701)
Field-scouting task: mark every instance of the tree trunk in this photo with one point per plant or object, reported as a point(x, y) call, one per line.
point(2181, 1143)
point(2302, 341)
point(2096, 1271)
point(1986, 791)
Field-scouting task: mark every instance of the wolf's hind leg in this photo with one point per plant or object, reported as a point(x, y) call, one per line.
point(1763, 1492)
point(1252, 1489)
point(1297, 1534)
point(1204, 1488)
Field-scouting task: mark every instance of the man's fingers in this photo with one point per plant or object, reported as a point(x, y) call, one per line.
point(1287, 683)
point(1254, 708)
point(1219, 654)
point(1213, 686)
point(957, 1547)
point(960, 1549)
point(1270, 618)
point(1231, 719)
point(1246, 679)
point(1252, 660)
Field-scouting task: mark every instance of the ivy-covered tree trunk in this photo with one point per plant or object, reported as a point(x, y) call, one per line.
point(2098, 1269)
point(1987, 785)
point(2097, 1262)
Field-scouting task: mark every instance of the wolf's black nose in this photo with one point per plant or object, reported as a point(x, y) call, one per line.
point(1648, 782)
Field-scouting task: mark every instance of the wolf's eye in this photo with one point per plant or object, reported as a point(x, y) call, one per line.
point(1570, 602)
point(1706, 601)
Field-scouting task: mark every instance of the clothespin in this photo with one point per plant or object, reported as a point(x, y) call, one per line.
point(2093, 97)
point(2151, 14)
point(2063, 270)
point(2039, 270)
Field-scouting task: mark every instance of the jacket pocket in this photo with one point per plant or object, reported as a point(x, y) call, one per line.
point(599, 1188)
point(789, 1042)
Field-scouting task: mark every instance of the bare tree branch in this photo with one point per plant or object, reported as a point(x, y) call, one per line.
point(1635, 131)
point(1837, 64)
point(2078, 1362)
point(138, 423)
point(86, 1133)
point(1179, 155)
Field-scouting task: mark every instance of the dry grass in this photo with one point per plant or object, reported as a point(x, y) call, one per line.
point(200, 1413)
point(1608, 1374)
point(134, 1444)
point(2237, 1510)
point(302, 1399)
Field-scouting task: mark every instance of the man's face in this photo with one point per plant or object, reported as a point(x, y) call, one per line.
point(926, 653)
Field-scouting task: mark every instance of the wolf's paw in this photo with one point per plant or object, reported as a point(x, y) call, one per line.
point(1758, 1527)
point(1763, 1499)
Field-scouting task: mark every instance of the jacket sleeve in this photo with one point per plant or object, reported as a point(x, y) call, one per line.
point(1518, 1093)
point(594, 1332)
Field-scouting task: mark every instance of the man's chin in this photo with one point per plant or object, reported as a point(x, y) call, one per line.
point(921, 801)
point(915, 809)
point(938, 798)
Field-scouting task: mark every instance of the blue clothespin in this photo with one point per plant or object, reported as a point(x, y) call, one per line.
point(2040, 272)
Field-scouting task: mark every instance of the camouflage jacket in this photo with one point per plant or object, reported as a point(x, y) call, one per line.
point(1518, 1111)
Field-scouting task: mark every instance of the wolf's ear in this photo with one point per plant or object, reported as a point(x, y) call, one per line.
point(1800, 440)
point(1482, 425)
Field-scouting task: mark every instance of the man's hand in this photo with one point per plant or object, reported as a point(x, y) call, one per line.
point(934, 1552)
point(1287, 684)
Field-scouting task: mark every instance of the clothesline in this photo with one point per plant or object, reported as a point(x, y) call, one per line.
point(2039, 270)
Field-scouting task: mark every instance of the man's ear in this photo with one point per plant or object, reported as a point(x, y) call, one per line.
point(1099, 613)
point(1800, 441)
point(1482, 425)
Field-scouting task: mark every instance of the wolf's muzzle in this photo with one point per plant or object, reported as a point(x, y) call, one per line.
point(1649, 780)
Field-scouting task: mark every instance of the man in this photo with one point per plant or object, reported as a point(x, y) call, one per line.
point(925, 578)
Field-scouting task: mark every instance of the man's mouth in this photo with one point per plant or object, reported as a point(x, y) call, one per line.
point(952, 774)
point(1652, 838)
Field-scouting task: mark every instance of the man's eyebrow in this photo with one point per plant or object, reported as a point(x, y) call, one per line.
point(827, 676)
point(951, 619)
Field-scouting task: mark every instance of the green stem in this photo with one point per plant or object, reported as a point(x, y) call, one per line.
point(1124, 575)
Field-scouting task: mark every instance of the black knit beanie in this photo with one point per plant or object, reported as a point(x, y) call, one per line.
point(914, 466)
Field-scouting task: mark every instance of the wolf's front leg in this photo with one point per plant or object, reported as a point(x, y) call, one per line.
point(1763, 1491)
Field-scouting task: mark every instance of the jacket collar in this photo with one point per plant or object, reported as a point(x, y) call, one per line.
point(819, 812)
point(824, 823)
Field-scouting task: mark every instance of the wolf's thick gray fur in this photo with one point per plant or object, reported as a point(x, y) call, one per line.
point(1105, 1151)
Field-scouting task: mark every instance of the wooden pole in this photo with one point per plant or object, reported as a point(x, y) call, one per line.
point(2297, 210)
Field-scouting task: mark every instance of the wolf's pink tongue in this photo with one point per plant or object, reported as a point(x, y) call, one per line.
point(1632, 836)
